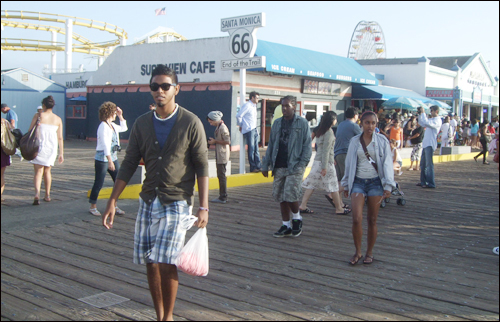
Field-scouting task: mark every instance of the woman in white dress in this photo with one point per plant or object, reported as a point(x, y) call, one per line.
point(50, 138)
point(323, 175)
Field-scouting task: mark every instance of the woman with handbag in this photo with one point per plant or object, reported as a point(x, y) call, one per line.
point(106, 157)
point(51, 137)
point(484, 138)
point(368, 173)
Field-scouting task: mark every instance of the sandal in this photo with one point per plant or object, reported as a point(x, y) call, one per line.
point(94, 211)
point(368, 260)
point(119, 212)
point(346, 212)
point(330, 200)
point(355, 259)
point(333, 204)
point(306, 211)
point(47, 199)
point(36, 202)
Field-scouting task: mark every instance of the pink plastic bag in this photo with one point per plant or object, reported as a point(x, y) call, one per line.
point(193, 258)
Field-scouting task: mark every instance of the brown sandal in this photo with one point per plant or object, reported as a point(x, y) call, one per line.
point(47, 199)
point(368, 260)
point(355, 259)
point(36, 202)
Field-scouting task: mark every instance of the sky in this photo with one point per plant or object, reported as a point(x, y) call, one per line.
point(411, 29)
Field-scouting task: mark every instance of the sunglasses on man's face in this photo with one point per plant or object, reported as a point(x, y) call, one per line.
point(165, 86)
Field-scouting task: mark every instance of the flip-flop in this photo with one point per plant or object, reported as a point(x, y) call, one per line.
point(353, 261)
point(36, 202)
point(306, 211)
point(368, 260)
point(47, 199)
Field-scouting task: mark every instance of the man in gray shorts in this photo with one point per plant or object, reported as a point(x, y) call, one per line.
point(287, 156)
point(345, 131)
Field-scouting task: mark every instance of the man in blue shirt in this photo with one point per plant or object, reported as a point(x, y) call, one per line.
point(10, 116)
point(247, 120)
point(345, 131)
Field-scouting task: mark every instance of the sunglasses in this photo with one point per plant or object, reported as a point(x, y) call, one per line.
point(165, 86)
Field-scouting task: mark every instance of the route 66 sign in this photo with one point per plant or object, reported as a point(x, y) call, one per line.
point(242, 33)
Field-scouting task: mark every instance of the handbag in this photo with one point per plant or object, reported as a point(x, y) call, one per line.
point(368, 156)
point(30, 142)
point(9, 143)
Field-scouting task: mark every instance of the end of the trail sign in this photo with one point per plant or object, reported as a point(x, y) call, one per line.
point(245, 63)
point(255, 20)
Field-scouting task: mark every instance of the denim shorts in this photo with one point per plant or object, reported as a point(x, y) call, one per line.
point(368, 187)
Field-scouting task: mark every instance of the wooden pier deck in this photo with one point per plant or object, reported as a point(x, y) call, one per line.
point(433, 256)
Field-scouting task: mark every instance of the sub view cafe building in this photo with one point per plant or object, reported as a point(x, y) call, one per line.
point(321, 82)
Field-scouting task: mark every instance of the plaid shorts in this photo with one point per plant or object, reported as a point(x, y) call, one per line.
point(159, 235)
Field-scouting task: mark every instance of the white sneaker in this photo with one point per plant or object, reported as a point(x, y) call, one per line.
point(495, 250)
point(400, 172)
point(94, 211)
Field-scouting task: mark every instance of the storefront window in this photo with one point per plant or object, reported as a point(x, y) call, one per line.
point(76, 112)
point(311, 114)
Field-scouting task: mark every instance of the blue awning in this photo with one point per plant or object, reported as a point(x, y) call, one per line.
point(367, 92)
point(307, 63)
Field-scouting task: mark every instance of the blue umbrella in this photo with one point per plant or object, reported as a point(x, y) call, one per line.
point(438, 103)
point(444, 109)
point(403, 103)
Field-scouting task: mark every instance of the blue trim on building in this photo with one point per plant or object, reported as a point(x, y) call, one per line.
point(366, 92)
point(290, 60)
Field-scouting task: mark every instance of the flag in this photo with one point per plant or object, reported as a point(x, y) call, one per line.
point(160, 11)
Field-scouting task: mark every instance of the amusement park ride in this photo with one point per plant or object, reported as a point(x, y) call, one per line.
point(367, 41)
point(14, 19)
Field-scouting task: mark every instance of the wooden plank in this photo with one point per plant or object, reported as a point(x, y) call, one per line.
point(54, 302)
point(187, 310)
point(14, 308)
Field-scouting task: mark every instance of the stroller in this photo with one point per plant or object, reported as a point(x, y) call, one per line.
point(395, 192)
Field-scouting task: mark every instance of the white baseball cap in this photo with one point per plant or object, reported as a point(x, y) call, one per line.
point(39, 107)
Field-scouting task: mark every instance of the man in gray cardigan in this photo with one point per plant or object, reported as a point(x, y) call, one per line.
point(172, 142)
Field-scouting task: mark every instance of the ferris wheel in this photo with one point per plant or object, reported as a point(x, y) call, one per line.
point(367, 41)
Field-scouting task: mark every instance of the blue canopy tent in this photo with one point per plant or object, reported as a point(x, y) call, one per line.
point(79, 99)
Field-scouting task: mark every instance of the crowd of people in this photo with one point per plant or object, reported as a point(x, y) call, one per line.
point(359, 161)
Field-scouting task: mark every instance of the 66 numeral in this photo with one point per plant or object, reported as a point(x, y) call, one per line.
point(245, 44)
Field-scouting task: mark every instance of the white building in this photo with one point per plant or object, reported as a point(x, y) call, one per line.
point(464, 82)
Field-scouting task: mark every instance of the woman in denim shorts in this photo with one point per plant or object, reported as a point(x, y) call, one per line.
point(370, 176)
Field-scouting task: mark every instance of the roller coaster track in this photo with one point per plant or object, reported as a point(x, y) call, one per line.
point(85, 46)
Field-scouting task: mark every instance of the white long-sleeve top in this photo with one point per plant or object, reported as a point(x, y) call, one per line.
point(432, 127)
point(105, 135)
point(247, 117)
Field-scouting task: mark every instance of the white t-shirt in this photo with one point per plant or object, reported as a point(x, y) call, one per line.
point(444, 130)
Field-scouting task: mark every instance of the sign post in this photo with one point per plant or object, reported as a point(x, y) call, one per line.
point(242, 45)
